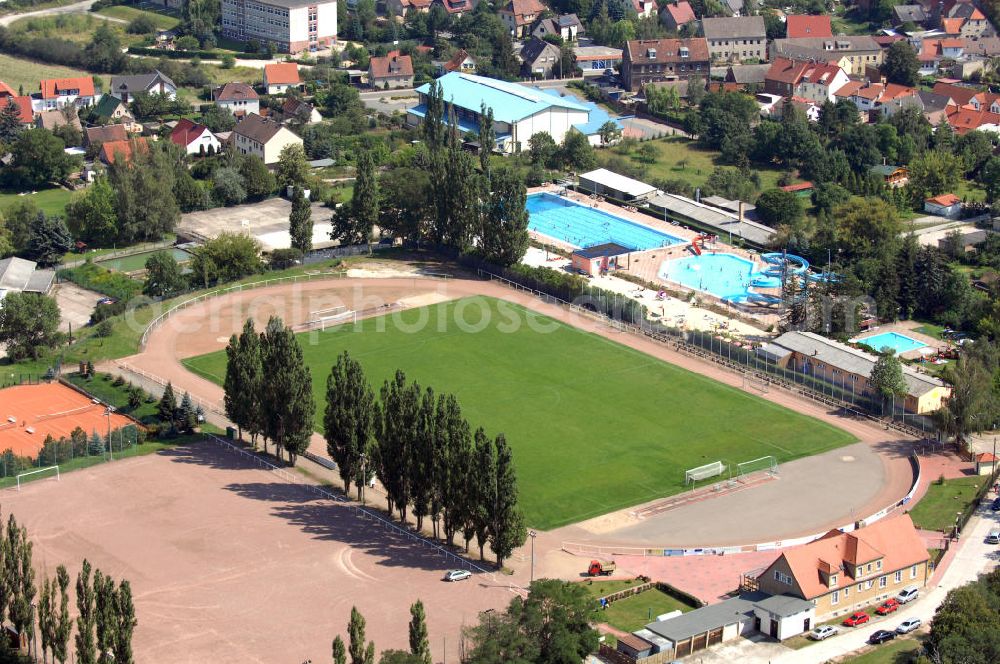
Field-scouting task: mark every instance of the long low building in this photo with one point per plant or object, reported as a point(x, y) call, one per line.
point(848, 369)
point(608, 183)
point(519, 112)
point(20, 276)
point(724, 224)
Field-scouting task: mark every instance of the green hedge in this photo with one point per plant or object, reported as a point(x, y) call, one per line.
point(104, 281)
point(187, 55)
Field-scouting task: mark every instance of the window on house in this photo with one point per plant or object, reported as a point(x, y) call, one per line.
point(861, 587)
point(913, 572)
point(835, 598)
point(898, 577)
point(881, 582)
point(878, 564)
point(869, 568)
point(833, 580)
point(869, 584)
point(847, 592)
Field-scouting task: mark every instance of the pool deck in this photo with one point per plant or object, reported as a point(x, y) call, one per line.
point(907, 328)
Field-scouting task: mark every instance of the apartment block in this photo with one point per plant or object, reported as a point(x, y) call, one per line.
point(290, 26)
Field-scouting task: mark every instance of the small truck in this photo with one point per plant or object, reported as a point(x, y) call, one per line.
point(599, 568)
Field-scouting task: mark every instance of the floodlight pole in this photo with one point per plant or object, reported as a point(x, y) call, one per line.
point(532, 534)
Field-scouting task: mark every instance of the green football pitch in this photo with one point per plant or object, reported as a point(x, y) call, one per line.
point(595, 426)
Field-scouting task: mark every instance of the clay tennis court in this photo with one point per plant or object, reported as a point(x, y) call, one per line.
point(29, 413)
point(230, 563)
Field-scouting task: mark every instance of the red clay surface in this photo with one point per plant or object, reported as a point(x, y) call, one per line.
point(48, 409)
point(229, 563)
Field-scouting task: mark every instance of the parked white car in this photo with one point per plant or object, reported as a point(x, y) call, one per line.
point(458, 575)
point(822, 632)
point(908, 625)
point(907, 594)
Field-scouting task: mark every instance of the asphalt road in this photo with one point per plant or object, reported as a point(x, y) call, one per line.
point(76, 8)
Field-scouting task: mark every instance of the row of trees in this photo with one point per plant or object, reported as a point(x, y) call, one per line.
point(441, 196)
point(359, 651)
point(106, 616)
point(268, 389)
point(425, 455)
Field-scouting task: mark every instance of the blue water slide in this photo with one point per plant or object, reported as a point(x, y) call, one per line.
point(797, 264)
point(757, 298)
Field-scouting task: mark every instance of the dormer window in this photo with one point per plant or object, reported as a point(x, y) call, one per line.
point(833, 580)
point(878, 564)
point(684, 52)
point(651, 53)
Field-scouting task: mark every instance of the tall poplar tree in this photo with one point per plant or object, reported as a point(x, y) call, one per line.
point(360, 652)
point(300, 225)
point(244, 376)
point(86, 652)
point(286, 392)
point(106, 608)
point(349, 421)
point(484, 488)
point(339, 651)
point(507, 530)
point(353, 223)
point(455, 468)
point(419, 643)
point(504, 233)
point(22, 610)
point(63, 624)
point(487, 139)
point(126, 624)
point(420, 462)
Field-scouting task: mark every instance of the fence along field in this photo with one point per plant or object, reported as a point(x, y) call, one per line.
point(595, 426)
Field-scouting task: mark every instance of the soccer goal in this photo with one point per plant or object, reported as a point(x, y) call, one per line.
point(756, 382)
point(756, 468)
point(703, 472)
point(323, 322)
point(38, 471)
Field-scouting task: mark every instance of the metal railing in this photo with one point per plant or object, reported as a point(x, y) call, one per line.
point(264, 283)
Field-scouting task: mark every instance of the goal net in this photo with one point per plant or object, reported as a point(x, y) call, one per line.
point(323, 322)
point(37, 474)
point(754, 468)
point(703, 472)
point(755, 382)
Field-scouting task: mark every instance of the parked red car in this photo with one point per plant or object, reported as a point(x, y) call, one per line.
point(857, 618)
point(887, 607)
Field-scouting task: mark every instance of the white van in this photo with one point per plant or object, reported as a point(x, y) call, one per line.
point(907, 594)
point(993, 537)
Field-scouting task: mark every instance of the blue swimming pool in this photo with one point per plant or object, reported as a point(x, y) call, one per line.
point(584, 226)
point(725, 276)
point(894, 340)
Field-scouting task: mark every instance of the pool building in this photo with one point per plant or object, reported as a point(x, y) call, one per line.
point(847, 369)
point(519, 111)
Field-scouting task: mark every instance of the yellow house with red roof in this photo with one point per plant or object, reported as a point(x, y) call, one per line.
point(844, 572)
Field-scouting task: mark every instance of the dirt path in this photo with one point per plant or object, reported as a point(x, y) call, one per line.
point(206, 327)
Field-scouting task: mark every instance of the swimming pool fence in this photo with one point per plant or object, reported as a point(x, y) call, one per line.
point(630, 316)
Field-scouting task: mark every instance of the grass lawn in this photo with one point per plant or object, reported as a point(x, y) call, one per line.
point(637, 611)
point(898, 651)
point(937, 509)
point(18, 72)
point(249, 75)
point(102, 387)
point(594, 426)
point(680, 158)
point(931, 330)
point(162, 21)
point(603, 587)
point(49, 201)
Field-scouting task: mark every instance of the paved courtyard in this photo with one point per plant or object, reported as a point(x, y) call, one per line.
point(266, 220)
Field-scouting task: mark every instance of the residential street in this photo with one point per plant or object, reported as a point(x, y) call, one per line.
point(974, 558)
point(75, 8)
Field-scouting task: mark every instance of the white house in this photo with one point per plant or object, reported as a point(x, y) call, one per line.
point(57, 92)
point(290, 26)
point(239, 98)
point(263, 138)
point(194, 138)
point(280, 76)
point(155, 82)
point(945, 205)
point(519, 112)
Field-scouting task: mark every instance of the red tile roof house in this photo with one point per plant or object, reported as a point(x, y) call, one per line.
point(239, 98)
point(114, 150)
point(965, 119)
point(8, 95)
point(403, 7)
point(945, 205)
point(815, 81)
point(844, 572)
point(194, 138)
point(520, 15)
point(675, 14)
point(278, 77)
point(58, 92)
point(461, 62)
point(456, 7)
point(658, 60)
point(392, 71)
point(800, 25)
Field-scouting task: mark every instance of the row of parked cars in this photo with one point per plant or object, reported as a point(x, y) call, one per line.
point(859, 618)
